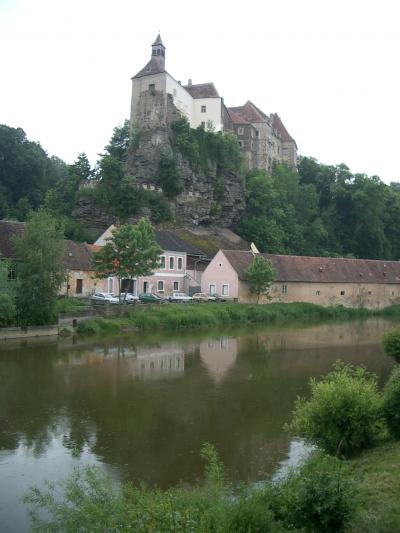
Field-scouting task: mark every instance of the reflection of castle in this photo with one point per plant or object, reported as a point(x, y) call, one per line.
point(219, 356)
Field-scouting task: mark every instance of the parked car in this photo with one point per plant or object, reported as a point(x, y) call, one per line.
point(179, 297)
point(151, 298)
point(128, 297)
point(104, 298)
point(203, 297)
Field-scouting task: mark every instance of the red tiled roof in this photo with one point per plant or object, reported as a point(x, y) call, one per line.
point(320, 269)
point(202, 90)
point(236, 118)
point(277, 125)
point(249, 112)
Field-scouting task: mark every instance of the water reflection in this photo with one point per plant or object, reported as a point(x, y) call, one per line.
point(143, 406)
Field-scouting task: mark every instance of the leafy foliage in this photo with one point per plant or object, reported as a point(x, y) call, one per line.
point(319, 496)
point(391, 402)
point(321, 210)
point(169, 177)
point(344, 413)
point(7, 310)
point(130, 252)
point(26, 173)
point(391, 343)
point(260, 276)
point(39, 251)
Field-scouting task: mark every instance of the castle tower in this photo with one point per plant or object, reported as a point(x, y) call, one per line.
point(158, 49)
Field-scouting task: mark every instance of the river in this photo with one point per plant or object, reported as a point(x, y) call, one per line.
point(140, 406)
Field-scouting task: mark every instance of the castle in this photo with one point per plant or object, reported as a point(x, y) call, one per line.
point(158, 99)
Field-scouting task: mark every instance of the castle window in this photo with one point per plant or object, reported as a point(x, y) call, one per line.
point(257, 133)
point(240, 131)
point(284, 289)
point(241, 144)
point(342, 293)
point(152, 87)
point(318, 293)
point(203, 108)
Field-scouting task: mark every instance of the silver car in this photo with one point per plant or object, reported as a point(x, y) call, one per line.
point(104, 298)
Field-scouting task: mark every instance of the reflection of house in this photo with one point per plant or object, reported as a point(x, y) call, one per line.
point(177, 270)
point(219, 356)
point(320, 280)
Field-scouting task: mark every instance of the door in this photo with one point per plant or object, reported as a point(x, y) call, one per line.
point(145, 287)
point(79, 286)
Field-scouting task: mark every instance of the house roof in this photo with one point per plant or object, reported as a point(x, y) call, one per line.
point(169, 240)
point(158, 41)
point(77, 256)
point(8, 229)
point(283, 133)
point(236, 118)
point(154, 66)
point(250, 113)
point(320, 269)
point(202, 90)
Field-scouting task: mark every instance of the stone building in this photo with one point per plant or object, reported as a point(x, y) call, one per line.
point(158, 99)
point(326, 281)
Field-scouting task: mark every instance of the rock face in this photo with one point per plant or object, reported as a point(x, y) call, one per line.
point(198, 203)
point(94, 219)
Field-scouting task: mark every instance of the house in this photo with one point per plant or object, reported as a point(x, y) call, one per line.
point(320, 280)
point(180, 267)
point(76, 259)
point(158, 99)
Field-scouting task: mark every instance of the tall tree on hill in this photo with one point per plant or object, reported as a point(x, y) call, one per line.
point(39, 250)
point(130, 252)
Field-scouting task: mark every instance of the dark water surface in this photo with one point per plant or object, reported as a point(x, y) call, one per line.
point(141, 406)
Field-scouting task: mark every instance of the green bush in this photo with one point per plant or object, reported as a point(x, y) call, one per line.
point(391, 343)
point(251, 513)
point(391, 403)
point(7, 310)
point(319, 496)
point(97, 325)
point(344, 413)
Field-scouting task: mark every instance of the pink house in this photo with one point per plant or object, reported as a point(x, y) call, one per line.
point(172, 275)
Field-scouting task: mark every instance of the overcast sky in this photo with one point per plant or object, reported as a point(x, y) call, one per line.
point(330, 69)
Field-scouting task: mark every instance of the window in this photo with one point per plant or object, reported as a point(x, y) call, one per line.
point(79, 286)
point(225, 290)
point(241, 144)
point(284, 289)
point(176, 285)
point(257, 133)
point(162, 261)
point(152, 87)
point(12, 273)
point(240, 131)
point(318, 293)
point(160, 286)
point(180, 263)
point(203, 108)
point(203, 125)
point(145, 287)
point(369, 292)
point(341, 293)
point(211, 288)
point(171, 263)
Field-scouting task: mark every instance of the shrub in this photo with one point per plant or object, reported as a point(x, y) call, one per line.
point(391, 343)
point(319, 496)
point(391, 403)
point(7, 310)
point(251, 513)
point(344, 413)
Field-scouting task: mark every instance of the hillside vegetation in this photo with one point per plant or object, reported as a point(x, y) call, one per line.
point(317, 210)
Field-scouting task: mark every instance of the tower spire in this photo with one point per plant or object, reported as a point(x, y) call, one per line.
point(158, 49)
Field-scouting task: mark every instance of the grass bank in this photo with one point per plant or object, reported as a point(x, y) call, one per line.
point(190, 316)
point(377, 475)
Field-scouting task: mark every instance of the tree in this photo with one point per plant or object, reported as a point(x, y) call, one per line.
point(39, 251)
point(130, 252)
point(260, 276)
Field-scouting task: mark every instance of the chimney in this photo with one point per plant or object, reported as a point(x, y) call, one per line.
point(189, 82)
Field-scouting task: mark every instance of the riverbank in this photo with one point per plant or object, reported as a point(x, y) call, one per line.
point(360, 495)
point(186, 316)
